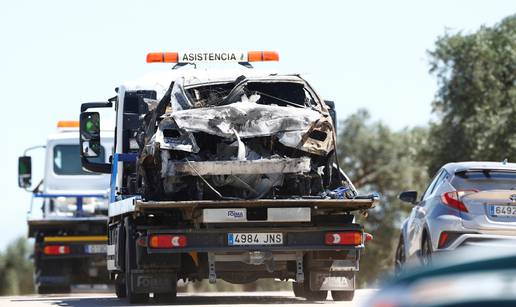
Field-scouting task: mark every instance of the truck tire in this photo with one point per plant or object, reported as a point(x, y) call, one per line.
point(303, 290)
point(52, 289)
point(130, 264)
point(298, 289)
point(342, 295)
point(120, 287)
point(170, 295)
point(165, 297)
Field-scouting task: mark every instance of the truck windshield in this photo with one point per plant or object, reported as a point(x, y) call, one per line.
point(484, 180)
point(67, 160)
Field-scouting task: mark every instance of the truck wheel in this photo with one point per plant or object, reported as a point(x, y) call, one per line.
point(298, 289)
point(130, 264)
point(165, 297)
point(311, 295)
point(120, 288)
point(303, 290)
point(342, 295)
point(46, 289)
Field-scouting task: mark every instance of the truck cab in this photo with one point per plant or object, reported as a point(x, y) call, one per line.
point(68, 213)
point(227, 175)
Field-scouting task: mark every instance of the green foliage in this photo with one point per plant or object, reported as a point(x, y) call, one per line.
point(476, 101)
point(379, 160)
point(16, 269)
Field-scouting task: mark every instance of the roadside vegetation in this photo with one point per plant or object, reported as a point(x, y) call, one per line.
point(475, 119)
point(16, 268)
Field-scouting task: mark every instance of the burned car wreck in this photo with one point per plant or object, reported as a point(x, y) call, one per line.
point(250, 138)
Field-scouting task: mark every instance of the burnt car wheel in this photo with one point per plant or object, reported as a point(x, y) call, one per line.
point(342, 295)
point(399, 259)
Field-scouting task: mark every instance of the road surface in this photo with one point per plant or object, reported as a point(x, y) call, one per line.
point(233, 299)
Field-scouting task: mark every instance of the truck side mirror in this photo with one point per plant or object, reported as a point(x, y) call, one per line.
point(24, 172)
point(90, 134)
point(408, 196)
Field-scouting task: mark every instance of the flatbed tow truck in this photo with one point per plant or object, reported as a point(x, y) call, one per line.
point(226, 175)
point(68, 214)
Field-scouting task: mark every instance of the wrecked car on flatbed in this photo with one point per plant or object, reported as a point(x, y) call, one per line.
point(229, 175)
point(252, 138)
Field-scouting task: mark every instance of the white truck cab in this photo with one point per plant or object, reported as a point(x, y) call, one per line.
point(68, 212)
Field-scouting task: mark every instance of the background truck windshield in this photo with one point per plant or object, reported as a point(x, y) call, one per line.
point(485, 180)
point(67, 160)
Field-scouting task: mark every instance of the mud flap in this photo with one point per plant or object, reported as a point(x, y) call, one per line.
point(154, 282)
point(324, 280)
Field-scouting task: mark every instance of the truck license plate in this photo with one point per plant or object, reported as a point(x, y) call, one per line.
point(249, 238)
point(509, 211)
point(95, 249)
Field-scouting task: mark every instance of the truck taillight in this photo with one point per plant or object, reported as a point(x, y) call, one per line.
point(56, 250)
point(167, 241)
point(343, 238)
point(453, 199)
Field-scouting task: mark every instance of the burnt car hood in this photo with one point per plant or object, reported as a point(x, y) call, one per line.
point(244, 119)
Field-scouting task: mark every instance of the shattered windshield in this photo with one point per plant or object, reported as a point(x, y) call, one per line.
point(277, 93)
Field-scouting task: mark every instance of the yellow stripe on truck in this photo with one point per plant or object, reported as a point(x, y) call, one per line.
point(75, 238)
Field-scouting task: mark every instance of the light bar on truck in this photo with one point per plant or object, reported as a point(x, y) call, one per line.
point(195, 57)
point(68, 124)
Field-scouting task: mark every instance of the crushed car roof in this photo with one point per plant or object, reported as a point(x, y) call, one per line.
point(160, 80)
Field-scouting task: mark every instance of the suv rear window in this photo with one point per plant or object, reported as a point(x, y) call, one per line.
point(484, 180)
point(67, 160)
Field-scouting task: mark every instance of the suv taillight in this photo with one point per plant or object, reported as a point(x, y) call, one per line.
point(453, 199)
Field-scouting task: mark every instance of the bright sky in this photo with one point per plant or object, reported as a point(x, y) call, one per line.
point(362, 54)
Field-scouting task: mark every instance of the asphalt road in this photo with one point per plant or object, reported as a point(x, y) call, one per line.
point(247, 299)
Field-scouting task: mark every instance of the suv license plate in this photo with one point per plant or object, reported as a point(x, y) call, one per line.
point(95, 249)
point(509, 211)
point(251, 238)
